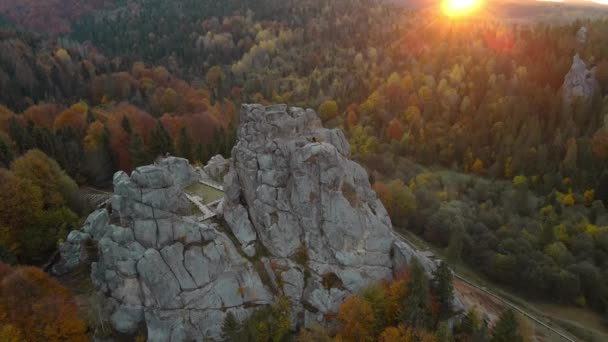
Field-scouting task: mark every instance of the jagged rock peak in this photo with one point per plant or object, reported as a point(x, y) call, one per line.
point(580, 82)
point(582, 35)
point(292, 189)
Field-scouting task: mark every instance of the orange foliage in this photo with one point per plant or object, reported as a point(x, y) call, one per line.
point(395, 130)
point(403, 334)
point(352, 118)
point(73, 118)
point(5, 116)
point(43, 115)
point(599, 143)
point(357, 319)
point(477, 166)
point(37, 307)
point(94, 133)
point(395, 292)
point(141, 122)
point(393, 334)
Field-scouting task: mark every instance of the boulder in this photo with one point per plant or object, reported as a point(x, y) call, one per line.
point(180, 169)
point(216, 168)
point(152, 177)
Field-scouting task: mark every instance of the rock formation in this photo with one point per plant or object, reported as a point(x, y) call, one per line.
point(582, 36)
point(580, 83)
point(299, 219)
point(293, 193)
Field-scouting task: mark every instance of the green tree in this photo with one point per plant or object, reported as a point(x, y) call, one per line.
point(99, 164)
point(443, 288)
point(160, 141)
point(454, 249)
point(377, 298)
point(40, 238)
point(20, 136)
point(443, 332)
point(231, 329)
point(215, 79)
point(417, 302)
point(472, 328)
point(184, 144)
point(21, 202)
point(506, 329)
point(6, 152)
point(270, 324)
point(126, 125)
point(137, 150)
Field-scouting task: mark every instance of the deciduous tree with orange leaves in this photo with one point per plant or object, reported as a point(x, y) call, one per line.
point(357, 319)
point(35, 307)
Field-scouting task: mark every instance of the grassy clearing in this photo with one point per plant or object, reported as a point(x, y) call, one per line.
point(209, 194)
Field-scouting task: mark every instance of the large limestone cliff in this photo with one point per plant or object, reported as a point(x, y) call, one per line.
point(292, 189)
point(299, 219)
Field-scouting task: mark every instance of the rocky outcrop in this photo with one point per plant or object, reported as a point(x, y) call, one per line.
point(582, 36)
point(157, 265)
point(299, 219)
point(293, 192)
point(216, 168)
point(580, 83)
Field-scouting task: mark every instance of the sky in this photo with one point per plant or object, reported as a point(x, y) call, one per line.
point(603, 2)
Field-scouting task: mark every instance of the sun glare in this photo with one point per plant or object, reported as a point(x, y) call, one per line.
point(459, 8)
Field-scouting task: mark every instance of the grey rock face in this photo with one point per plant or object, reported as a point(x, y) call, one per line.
point(156, 266)
point(180, 170)
point(216, 168)
point(581, 35)
point(292, 196)
point(293, 188)
point(580, 83)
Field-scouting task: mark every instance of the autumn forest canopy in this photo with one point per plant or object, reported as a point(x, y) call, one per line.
point(474, 139)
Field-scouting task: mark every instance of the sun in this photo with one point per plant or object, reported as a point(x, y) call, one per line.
point(459, 8)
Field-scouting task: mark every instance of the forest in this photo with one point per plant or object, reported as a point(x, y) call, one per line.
point(462, 125)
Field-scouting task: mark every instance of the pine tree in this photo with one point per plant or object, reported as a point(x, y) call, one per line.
point(201, 154)
point(417, 302)
point(443, 288)
point(20, 136)
point(43, 139)
point(231, 329)
point(90, 117)
point(454, 249)
point(506, 329)
point(137, 151)
point(184, 144)
point(100, 164)
point(6, 153)
point(160, 143)
point(126, 125)
point(443, 332)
